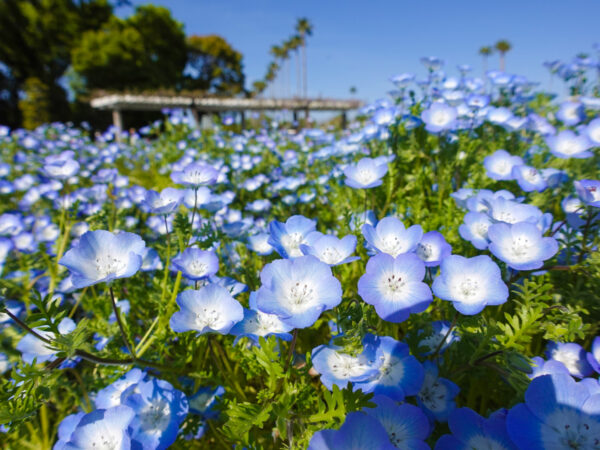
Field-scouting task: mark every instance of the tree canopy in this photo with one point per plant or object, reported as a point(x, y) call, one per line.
point(213, 66)
point(147, 50)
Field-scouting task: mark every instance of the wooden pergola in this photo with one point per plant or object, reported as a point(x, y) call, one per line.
point(127, 102)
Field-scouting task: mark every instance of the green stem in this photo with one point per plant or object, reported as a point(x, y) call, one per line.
point(168, 262)
point(193, 215)
point(121, 327)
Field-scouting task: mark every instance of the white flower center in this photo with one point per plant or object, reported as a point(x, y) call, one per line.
point(300, 294)
point(291, 242)
point(424, 251)
point(573, 429)
point(468, 288)
point(433, 395)
point(521, 247)
point(392, 245)
point(345, 366)
point(208, 318)
point(197, 268)
point(365, 176)
point(156, 416)
point(330, 256)
point(440, 118)
point(109, 265)
point(482, 442)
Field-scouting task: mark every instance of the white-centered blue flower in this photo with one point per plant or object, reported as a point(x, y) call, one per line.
point(390, 236)
point(499, 165)
point(366, 173)
point(558, 413)
point(101, 256)
point(298, 290)
point(395, 286)
point(521, 245)
point(330, 249)
point(210, 309)
point(470, 283)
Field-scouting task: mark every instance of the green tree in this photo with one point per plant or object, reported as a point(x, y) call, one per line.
point(145, 51)
point(503, 47)
point(36, 38)
point(213, 66)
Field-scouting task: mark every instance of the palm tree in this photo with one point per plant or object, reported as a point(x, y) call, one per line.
point(278, 54)
point(304, 29)
point(485, 52)
point(503, 46)
point(295, 43)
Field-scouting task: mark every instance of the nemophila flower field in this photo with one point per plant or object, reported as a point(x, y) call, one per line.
point(428, 278)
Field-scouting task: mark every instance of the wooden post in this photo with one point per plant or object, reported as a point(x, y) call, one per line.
point(118, 123)
point(243, 119)
point(344, 120)
point(196, 117)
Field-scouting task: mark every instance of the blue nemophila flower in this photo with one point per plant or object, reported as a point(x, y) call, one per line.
point(589, 192)
point(33, 348)
point(529, 178)
point(359, 432)
point(521, 245)
point(195, 175)
point(437, 395)
point(406, 425)
point(66, 428)
point(61, 169)
point(366, 173)
point(475, 229)
point(11, 224)
point(330, 249)
point(499, 165)
point(210, 309)
point(159, 411)
point(433, 248)
point(571, 113)
point(399, 373)
point(470, 283)
point(558, 413)
point(339, 368)
point(540, 367)
point(286, 237)
point(298, 290)
point(204, 400)
point(111, 395)
point(100, 429)
point(440, 331)
point(101, 256)
point(258, 324)
point(572, 355)
point(510, 211)
point(439, 117)
point(395, 286)
point(471, 431)
point(567, 144)
point(164, 202)
point(196, 264)
point(259, 243)
point(390, 236)
point(593, 132)
point(594, 356)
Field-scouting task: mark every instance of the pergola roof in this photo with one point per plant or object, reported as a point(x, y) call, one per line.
point(158, 102)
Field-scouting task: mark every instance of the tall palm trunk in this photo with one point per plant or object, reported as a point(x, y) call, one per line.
point(502, 62)
point(304, 77)
point(298, 78)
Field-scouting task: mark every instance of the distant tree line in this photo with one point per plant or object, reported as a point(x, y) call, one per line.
point(55, 53)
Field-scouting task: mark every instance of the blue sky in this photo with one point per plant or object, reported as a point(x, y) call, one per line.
point(362, 43)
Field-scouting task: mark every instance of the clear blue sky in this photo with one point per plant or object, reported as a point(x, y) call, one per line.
point(363, 42)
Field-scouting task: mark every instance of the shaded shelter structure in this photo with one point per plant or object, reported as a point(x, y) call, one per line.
point(117, 103)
